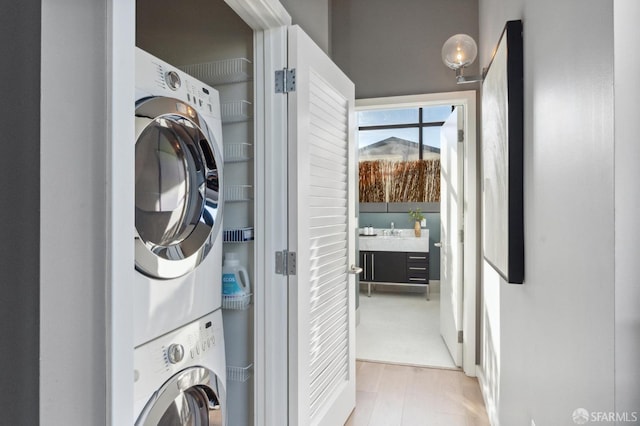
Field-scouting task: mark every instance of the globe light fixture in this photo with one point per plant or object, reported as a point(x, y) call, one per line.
point(458, 52)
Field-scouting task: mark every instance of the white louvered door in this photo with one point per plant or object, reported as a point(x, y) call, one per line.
point(321, 232)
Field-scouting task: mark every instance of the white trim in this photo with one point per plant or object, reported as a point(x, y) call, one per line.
point(120, 215)
point(270, 325)
point(471, 255)
point(430, 99)
point(471, 251)
point(261, 14)
point(259, 323)
point(268, 19)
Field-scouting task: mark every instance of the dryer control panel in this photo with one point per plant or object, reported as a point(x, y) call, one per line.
point(154, 76)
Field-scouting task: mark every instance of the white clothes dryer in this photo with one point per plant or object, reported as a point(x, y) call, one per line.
point(180, 377)
point(178, 199)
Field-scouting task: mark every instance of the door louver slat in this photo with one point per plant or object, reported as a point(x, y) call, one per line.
point(328, 212)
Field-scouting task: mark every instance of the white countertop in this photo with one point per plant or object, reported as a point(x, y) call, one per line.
point(406, 241)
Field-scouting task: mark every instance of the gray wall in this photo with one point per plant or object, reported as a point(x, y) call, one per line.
point(20, 212)
point(627, 205)
point(549, 344)
point(391, 48)
point(313, 17)
point(181, 38)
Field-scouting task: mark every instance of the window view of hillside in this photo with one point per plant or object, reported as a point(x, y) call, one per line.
point(399, 154)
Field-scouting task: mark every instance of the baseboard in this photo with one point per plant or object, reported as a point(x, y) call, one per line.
point(489, 405)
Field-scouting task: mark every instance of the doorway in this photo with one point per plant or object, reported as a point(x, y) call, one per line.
point(407, 305)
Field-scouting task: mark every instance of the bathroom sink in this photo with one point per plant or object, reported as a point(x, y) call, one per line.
point(406, 241)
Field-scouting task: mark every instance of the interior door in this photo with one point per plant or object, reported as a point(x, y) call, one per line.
point(451, 235)
point(322, 234)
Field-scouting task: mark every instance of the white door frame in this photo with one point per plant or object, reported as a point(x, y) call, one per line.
point(269, 20)
point(471, 250)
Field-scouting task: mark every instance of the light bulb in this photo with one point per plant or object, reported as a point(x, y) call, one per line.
point(459, 51)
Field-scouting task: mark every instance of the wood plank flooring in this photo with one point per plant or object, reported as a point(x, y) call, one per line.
point(396, 395)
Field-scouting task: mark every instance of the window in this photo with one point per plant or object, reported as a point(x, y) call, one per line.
point(399, 154)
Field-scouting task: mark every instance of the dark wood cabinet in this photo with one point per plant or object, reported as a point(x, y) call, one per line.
point(418, 268)
point(384, 266)
point(393, 267)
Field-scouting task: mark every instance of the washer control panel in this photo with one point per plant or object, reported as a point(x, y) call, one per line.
point(199, 343)
point(169, 352)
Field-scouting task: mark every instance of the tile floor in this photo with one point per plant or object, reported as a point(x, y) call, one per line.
point(402, 328)
point(395, 395)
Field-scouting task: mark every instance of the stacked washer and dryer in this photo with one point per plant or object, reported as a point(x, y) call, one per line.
point(179, 354)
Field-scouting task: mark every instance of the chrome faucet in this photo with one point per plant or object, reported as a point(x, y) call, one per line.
point(393, 230)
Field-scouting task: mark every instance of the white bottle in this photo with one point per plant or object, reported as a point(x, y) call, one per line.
point(235, 278)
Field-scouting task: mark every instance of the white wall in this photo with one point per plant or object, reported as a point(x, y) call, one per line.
point(627, 204)
point(554, 342)
point(73, 219)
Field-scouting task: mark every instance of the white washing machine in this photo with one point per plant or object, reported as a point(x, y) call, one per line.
point(180, 377)
point(178, 199)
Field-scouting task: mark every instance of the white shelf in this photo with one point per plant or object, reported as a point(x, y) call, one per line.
point(235, 112)
point(238, 152)
point(238, 193)
point(236, 303)
point(226, 71)
point(239, 374)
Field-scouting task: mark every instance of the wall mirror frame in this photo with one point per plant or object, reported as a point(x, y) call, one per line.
point(503, 156)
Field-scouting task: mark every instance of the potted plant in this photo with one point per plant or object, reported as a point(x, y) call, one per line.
point(417, 216)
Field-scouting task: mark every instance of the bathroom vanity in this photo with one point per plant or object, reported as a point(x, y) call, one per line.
point(400, 259)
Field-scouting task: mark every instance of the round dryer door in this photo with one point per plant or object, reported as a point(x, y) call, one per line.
point(191, 398)
point(178, 174)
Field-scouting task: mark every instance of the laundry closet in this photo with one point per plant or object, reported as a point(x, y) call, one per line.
point(209, 41)
point(288, 129)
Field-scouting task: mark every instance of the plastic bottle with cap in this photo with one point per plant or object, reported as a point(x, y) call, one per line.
point(235, 278)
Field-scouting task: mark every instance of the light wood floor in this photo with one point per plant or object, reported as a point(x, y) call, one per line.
point(395, 395)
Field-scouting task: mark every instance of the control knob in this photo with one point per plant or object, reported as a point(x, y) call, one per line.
point(175, 353)
point(173, 80)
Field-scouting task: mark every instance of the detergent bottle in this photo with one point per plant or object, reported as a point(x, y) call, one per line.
point(235, 279)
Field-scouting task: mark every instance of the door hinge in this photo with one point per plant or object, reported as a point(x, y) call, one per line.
point(285, 80)
point(285, 262)
point(460, 337)
point(461, 234)
point(460, 135)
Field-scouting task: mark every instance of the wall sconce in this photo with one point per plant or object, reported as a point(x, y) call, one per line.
point(458, 52)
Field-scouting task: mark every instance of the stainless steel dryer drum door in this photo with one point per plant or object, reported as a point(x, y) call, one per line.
point(178, 188)
point(190, 398)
